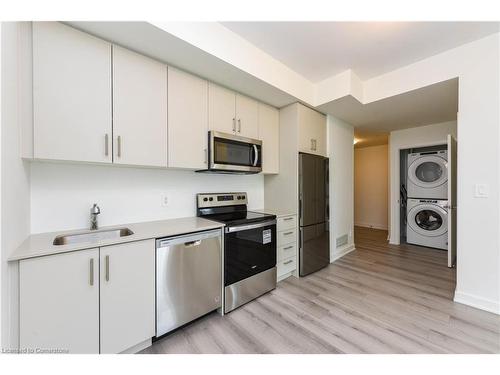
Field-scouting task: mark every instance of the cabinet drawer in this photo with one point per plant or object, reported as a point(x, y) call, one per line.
point(287, 251)
point(287, 236)
point(287, 222)
point(287, 265)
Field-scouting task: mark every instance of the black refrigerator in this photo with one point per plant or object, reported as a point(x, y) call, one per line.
point(314, 208)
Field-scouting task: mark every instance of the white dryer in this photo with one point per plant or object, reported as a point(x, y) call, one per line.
point(428, 175)
point(427, 223)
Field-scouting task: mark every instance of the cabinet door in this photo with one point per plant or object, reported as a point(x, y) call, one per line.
point(71, 94)
point(139, 109)
point(312, 131)
point(127, 295)
point(221, 109)
point(59, 302)
point(269, 133)
point(247, 117)
point(187, 120)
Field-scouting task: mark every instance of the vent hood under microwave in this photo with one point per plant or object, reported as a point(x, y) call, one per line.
point(229, 153)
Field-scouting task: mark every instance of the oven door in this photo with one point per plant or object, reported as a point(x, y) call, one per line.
point(249, 250)
point(233, 153)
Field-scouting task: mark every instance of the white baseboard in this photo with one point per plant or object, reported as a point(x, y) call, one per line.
point(371, 226)
point(340, 252)
point(477, 302)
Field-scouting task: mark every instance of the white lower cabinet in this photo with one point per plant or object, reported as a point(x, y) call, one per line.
point(127, 284)
point(286, 256)
point(88, 301)
point(59, 302)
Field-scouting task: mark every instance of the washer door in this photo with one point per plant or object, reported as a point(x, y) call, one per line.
point(428, 171)
point(428, 219)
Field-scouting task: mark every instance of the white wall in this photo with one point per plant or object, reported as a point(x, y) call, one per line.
point(15, 181)
point(340, 146)
point(62, 194)
point(428, 135)
point(371, 187)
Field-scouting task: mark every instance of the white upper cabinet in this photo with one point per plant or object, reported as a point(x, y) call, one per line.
point(100, 103)
point(127, 308)
point(269, 133)
point(247, 117)
point(139, 109)
point(312, 131)
point(71, 94)
point(59, 302)
point(221, 109)
point(232, 113)
point(187, 120)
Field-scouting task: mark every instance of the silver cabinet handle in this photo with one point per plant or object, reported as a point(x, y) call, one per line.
point(91, 272)
point(234, 124)
point(287, 233)
point(205, 152)
point(106, 144)
point(119, 141)
point(288, 248)
point(288, 261)
point(107, 267)
point(239, 125)
point(287, 218)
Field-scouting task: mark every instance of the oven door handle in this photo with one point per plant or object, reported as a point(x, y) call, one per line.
point(249, 226)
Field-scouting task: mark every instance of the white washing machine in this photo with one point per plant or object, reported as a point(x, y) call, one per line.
point(427, 223)
point(428, 175)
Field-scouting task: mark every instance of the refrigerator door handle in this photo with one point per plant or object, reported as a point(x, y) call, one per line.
point(301, 214)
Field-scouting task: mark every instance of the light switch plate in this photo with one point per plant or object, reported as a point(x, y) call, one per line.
point(481, 191)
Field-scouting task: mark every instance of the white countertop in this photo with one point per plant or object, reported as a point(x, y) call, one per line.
point(41, 244)
point(278, 213)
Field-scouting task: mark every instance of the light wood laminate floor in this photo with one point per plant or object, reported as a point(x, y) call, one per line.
point(377, 299)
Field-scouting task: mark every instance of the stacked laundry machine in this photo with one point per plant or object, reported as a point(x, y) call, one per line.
point(427, 190)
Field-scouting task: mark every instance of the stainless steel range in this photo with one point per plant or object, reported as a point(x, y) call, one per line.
point(249, 246)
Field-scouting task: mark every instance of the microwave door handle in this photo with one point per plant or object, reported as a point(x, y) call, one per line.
point(256, 155)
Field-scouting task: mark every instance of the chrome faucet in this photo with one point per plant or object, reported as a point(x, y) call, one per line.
point(94, 211)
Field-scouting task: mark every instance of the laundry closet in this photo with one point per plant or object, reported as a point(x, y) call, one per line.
point(427, 189)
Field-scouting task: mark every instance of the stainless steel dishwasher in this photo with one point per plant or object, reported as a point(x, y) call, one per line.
point(188, 278)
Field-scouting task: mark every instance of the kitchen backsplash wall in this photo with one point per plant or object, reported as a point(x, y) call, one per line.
point(62, 194)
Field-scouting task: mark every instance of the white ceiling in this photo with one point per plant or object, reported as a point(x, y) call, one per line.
point(318, 50)
point(428, 105)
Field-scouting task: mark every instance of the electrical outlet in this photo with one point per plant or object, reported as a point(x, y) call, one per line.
point(164, 200)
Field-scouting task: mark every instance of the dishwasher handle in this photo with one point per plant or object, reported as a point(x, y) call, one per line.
point(192, 243)
point(188, 240)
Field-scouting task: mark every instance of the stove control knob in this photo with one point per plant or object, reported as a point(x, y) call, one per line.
point(205, 199)
point(210, 199)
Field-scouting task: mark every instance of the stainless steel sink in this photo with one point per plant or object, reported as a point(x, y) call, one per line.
point(92, 236)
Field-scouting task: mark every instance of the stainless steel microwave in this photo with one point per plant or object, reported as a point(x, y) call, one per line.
point(229, 153)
